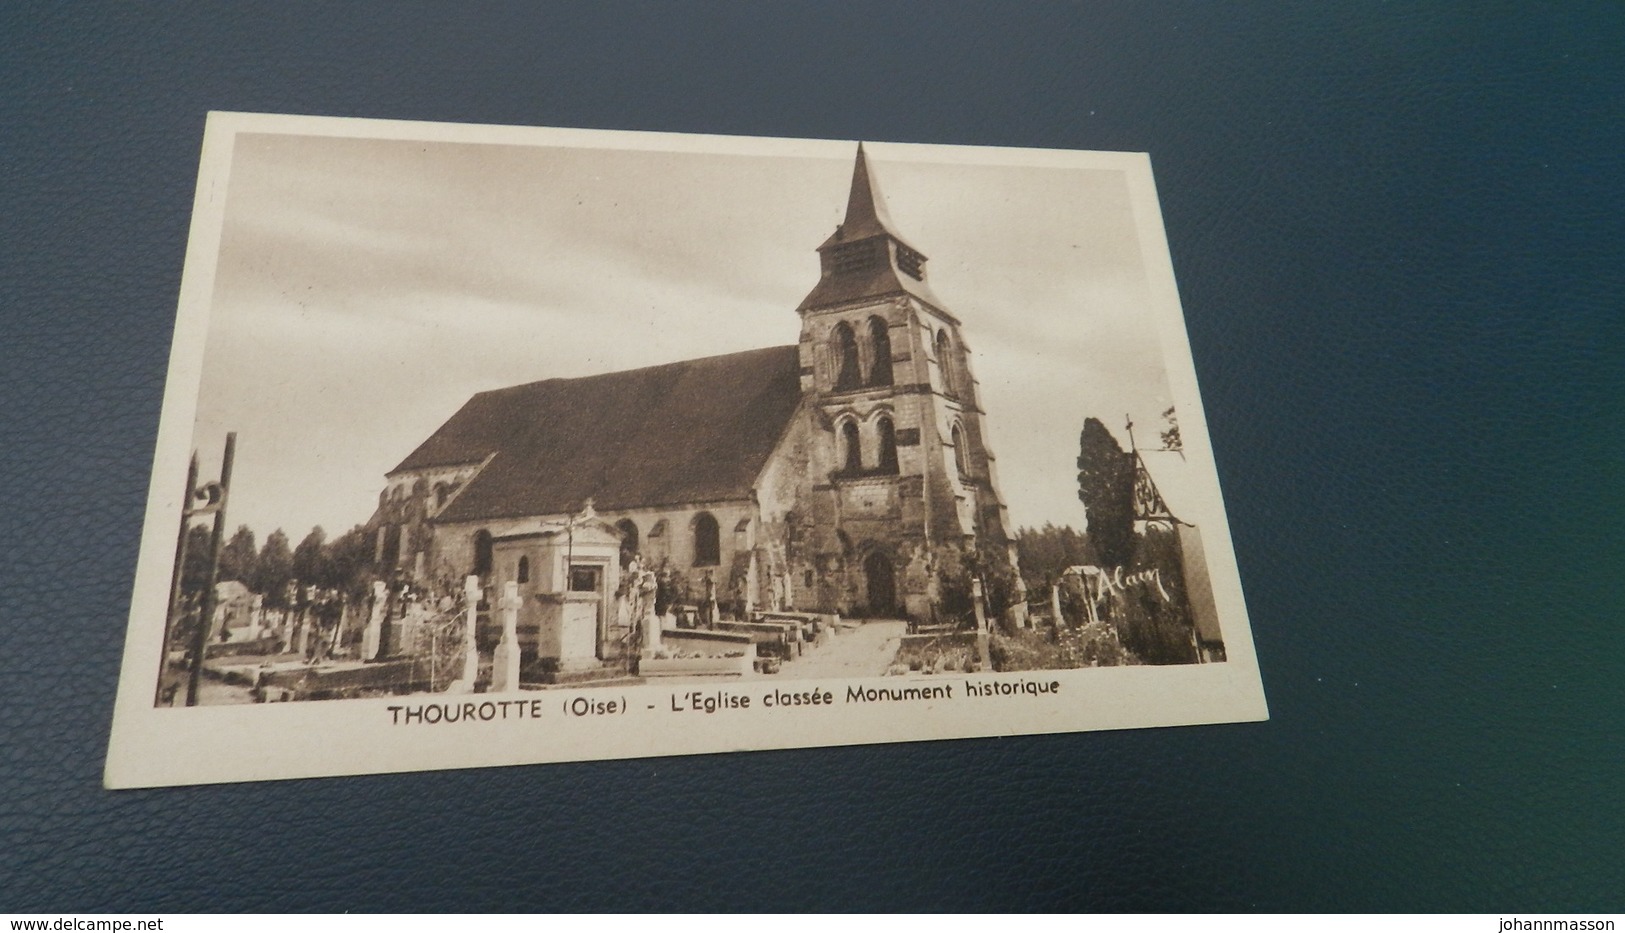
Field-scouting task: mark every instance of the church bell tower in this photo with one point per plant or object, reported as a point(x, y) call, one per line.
point(901, 476)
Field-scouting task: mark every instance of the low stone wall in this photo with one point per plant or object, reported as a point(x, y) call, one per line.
point(680, 640)
point(236, 649)
point(817, 620)
point(761, 631)
point(489, 633)
point(680, 667)
point(318, 682)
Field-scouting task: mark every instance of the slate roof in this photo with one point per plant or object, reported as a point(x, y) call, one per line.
point(835, 288)
point(866, 219)
point(694, 431)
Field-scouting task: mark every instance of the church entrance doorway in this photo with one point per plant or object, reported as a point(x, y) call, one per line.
point(877, 570)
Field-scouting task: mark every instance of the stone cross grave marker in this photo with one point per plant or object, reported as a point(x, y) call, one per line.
point(505, 666)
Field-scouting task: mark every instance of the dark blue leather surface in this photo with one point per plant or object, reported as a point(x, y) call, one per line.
point(1398, 234)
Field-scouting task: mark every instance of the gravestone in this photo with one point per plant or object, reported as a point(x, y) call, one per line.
point(372, 640)
point(471, 649)
point(648, 623)
point(505, 665)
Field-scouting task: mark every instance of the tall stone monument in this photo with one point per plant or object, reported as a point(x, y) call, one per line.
point(505, 665)
point(372, 639)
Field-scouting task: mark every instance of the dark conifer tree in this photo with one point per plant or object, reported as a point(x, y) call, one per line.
point(1106, 488)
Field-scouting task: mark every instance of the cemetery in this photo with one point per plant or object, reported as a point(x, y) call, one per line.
point(575, 609)
point(571, 616)
point(569, 602)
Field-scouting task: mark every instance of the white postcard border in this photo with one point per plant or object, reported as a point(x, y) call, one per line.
point(152, 746)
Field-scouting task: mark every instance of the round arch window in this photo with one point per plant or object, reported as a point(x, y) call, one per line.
point(880, 341)
point(707, 541)
point(888, 445)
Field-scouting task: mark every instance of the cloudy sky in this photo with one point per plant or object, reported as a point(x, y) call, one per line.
point(365, 288)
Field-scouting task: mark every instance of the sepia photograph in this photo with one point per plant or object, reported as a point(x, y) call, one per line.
point(472, 425)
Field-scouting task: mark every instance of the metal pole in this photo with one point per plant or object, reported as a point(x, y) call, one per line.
point(206, 614)
point(175, 577)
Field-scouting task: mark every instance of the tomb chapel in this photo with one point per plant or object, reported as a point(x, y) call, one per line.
point(835, 474)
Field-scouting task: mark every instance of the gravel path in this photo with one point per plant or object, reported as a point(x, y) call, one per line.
point(864, 651)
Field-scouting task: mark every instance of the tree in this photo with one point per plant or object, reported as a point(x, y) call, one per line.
point(1000, 584)
point(349, 562)
point(987, 562)
point(237, 556)
point(310, 565)
point(1106, 488)
point(273, 569)
point(1044, 553)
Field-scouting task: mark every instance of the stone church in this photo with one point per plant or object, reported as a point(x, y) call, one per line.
point(834, 474)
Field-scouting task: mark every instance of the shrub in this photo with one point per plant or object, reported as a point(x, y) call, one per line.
point(1094, 645)
point(990, 563)
point(933, 653)
point(1158, 631)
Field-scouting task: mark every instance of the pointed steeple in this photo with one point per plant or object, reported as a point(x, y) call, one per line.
point(865, 257)
point(865, 209)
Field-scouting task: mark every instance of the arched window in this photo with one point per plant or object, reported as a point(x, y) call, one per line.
point(522, 575)
point(888, 445)
point(657, 544)
point(482, 553)
point(392, 545)
point(945, 362)
point(960, 460)
point(851, 448)
point(707, 541)
point(880, 342)
point(629, 539)
point(846, 358)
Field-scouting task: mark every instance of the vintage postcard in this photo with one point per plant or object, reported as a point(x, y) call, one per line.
point(496, 445)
